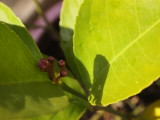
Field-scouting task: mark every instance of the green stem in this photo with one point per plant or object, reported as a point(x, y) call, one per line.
point(72, 91)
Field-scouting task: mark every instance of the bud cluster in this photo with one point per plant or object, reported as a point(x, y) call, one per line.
point(46, 65)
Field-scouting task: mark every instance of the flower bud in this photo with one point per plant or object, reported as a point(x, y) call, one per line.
point(63, 73)
point(61, 63)
point(44, 65)
point(51, 59)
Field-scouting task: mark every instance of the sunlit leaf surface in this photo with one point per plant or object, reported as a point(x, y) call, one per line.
point(118, 42)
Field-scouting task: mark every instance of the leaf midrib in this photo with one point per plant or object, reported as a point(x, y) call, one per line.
point(134, 41)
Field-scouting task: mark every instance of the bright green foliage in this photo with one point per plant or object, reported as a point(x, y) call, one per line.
point(25, 92)
point(118, 42)
point(68, 17)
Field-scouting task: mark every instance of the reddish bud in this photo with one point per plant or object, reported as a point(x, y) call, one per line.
point(46, 65)
point(43, 65)
point(51, 59)
point(61, 63)
point(63, 73)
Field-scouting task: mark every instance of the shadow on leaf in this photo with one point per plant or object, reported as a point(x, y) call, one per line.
point(76, 67)
point(101, 68)
point(30, 99)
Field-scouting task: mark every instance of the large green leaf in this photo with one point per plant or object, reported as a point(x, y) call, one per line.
point(67, 20)
point(118, 42)
point(24, 90)
point(6, 15)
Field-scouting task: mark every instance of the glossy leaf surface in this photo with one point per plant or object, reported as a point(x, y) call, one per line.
point(118, 42)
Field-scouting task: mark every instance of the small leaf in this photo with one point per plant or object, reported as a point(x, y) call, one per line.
point(118, 42)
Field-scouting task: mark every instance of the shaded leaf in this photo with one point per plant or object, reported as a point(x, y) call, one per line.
point(118, 43)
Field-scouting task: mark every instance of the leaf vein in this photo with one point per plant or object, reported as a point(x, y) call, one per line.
point(134, 41)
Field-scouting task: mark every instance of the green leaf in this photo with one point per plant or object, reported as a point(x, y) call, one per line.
point(17, 62)
point(75, 104)
point(71, 112)
point(118, 43)
point(71, 7)
point(7, 16)
point(78, 105)
point(67, 20)
point(24, 90)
